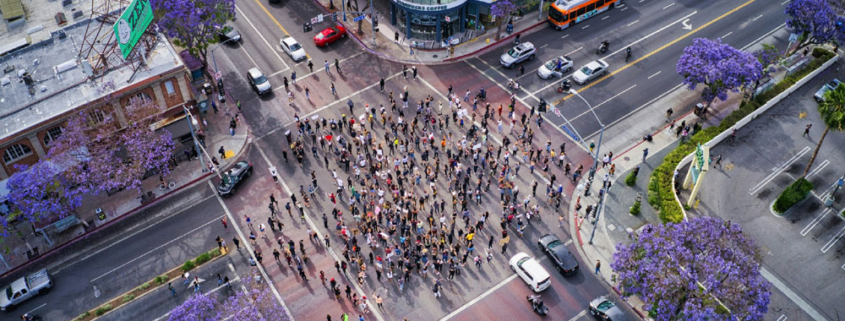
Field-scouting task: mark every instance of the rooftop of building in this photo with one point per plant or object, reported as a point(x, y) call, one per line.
point(61, 82)
point(40, 18)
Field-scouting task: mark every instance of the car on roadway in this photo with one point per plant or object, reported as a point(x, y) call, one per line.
point(530, 271)
point(258, 81)
point(827, 87)
point(233, 177)
point(329, 35)
point(590, 71)
point(551, 69)
point(554, 248)
point(229, 34)
point(522, 52)
point(604, 309)
point(292, 48)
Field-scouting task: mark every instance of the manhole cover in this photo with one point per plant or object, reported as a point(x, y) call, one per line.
point(626, 158)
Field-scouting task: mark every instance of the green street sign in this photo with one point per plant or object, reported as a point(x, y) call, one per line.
point(132, 24)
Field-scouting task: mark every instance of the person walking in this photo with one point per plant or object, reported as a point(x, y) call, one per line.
point(237, 242)
point(334, 91)
point(405, 71)
point(414, 69)
point(337, 66)
point(379, 301)
point(718, 161)
point(328, 71)
point(645, 154)
point(598, 266)
point(307, 93)
point(381, 84)
point(172, 290)
point(293, 77)
point(225, 224)
point(807, 130)
point(311, 66)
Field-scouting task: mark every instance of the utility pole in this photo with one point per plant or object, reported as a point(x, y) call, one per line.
point(374, 19)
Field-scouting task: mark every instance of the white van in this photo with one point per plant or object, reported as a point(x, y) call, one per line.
point(530, 271)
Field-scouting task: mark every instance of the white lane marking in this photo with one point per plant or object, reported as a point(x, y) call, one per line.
point(763, 36)
point(651, 34)
point(231, 267)
point(727, 34)
point(636, 110)
point(124, 238)
point(632, 23)
point(655, 74)
point(155, 249)
point(782, 317)
point(344, 99)
point(569, 241)
point(818, 169)
point(236, 279)
point(815, 222)
point(578, 316)
point(250, 57)
point(785, 2)
point(40, 306)
point(246, 244)
point(574, 51)
point(667, 7)
point(843, 266)
point(564, 36)
point(791, 295)
point(585, 27)
point(544, 46)
point(641, 1)
point(590, 111)
point(605, 17)
point(778, 170)
point(314, 228)
point(833, 240)
point(312, 73)
point(758, 17)
point(623, 9)
point(275, 52)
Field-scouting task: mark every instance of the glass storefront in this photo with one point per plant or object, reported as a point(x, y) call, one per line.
point(435, 20)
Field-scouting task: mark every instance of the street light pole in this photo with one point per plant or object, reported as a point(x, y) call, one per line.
point(593, 168)
point(191, 123)
point(374, 19)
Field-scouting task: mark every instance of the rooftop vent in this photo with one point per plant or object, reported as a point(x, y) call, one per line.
point(65, 66)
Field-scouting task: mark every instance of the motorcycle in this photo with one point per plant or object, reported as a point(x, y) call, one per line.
point(537, 305)
point(564, 86)
point(603, 48)
point(30, 317)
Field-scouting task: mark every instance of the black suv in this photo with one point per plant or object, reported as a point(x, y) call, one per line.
point(552, 246)
point(233, 177)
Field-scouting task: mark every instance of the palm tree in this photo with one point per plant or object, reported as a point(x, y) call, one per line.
point(832, 111)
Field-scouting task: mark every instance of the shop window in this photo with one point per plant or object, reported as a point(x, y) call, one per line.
point(16, 152)
point(169, 86)
point(52, 134)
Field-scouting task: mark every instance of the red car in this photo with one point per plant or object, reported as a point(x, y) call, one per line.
point(329, 35)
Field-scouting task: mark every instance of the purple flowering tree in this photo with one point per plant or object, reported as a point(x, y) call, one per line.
point(197, 307)
point(102, 155)
point(720, 67)
point(814, 20)
point(40, 192)
point(704, 268)
point(502, 9)
point(193, 24)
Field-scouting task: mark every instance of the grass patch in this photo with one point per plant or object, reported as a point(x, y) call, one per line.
point(660, 190)
point(128, 297)
point(102, 310)
point(202, 258)
point(635, 209)
point(161, 279)
point(83, 316)
point(792, 194)
point(189, 265)
point(144, 286)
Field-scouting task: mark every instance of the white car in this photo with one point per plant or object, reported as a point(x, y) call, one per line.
point(530, 271)
point(520, 53)
point(292, 48)
point(590, 71)
point(551, 69)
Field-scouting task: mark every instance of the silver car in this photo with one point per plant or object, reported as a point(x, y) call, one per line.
point(555, 67)
point(522, 52)
point(590, 71)
point(604, 309)
point(819, 96)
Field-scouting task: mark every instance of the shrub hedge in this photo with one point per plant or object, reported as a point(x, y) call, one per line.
point(660, 191)
point(631, 180)
point(792, 194)
point(635, 209)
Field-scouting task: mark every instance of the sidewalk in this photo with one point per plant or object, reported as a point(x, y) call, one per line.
point(387, 48)
point(27, 252)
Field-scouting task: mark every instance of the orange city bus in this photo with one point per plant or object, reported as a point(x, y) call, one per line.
point(564, 13)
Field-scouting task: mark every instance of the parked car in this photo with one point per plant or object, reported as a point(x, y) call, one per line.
point(233, 177)
point(590, 71)
point(292, 48)
point(329, 35)
point(827, 87)
point(530, 271)
point(551, 69)
point(229, 34)
point(604, 309)
point(522, 52)
point(258, 81)
point(563, 260)
point(25, 288)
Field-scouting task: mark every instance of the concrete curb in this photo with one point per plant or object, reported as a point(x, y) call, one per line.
point(163, 197)
point(496, 44)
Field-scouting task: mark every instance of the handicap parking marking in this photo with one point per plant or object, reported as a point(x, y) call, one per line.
point(815, 222)
point(818, 169)
point(833, 240)
point(778, 170)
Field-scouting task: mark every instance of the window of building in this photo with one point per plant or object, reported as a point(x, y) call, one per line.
point(52, 134)
point(169, 86)
point(16, 152)
point(143, 96)
point(96, 116)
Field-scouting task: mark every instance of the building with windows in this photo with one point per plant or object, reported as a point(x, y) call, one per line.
point(438, 20)
point(41, 85)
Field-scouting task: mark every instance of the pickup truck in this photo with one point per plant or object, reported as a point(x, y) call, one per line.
point(25, 288)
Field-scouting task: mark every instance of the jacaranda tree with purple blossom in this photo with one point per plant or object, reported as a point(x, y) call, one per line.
point(701, 269)
point(814, 20)
point(40, 192)
point(768, 56)
point(718, 66)
point(254, 302)
point(193, 24)
point(101, 154)
point(197, 307)
point(502, 9)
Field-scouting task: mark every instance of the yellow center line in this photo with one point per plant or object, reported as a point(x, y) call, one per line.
point(277, 23)
point(656, 51)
